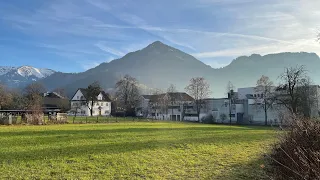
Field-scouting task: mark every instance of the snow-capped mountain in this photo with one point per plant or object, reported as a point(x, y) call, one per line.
point(5, 69)
point(20, 76)
point(28, 71)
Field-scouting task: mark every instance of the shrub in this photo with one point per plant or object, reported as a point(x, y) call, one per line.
point(35, 118)
point(297, 156)
point(208, 119)
point(223, 117)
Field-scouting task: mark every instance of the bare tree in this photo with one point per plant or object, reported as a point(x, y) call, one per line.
point(294, 89)
point(92, 93)
point(33, 96)
point(199, 89)
point(265, 89)
point(308, 97)
point(5, 96)
point(18, 100)
point(157, 100)
point(128, 93)
point(171, 97)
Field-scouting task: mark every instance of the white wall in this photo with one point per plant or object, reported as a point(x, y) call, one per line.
point(77, 96)
point(242, 92)
point(84, 110)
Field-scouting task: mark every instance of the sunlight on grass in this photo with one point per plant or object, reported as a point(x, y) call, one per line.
point(133, 150)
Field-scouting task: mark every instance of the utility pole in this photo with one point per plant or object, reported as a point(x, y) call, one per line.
point(230, 93)
point(230, 97)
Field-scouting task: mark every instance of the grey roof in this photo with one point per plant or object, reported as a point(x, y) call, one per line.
point(105, 96)
point(147, 96)
point(178, 96)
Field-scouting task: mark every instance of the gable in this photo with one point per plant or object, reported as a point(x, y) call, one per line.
point(77, 96)
point(100, 97)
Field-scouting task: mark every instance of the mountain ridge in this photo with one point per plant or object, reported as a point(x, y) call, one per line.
point(158, 65)
point(16, 77)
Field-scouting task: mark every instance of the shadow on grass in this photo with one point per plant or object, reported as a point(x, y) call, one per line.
point(46, 132)
point(53, 151)
point(253, 170)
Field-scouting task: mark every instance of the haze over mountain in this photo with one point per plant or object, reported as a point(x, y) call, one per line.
point(159, 65)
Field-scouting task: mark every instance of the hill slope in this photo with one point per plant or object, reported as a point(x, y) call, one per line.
point(159, 65)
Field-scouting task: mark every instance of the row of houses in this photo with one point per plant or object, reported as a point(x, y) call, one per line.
point(242, 108)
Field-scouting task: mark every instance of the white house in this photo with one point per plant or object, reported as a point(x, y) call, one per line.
point(102, 107)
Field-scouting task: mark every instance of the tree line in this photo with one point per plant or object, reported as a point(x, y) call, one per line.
point(294, 92)
point(29, 98)
point(127, 96)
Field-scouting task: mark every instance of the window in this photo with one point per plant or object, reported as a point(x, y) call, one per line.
point(107, 104)
point(81, 97)
point(261, 95)
point(258, 95)
point(83, 112)
point(77, 97)
point(254, 95)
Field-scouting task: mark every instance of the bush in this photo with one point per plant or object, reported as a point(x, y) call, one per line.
point(297, 156)
point(223, 117)
point(208, 119)
point(35, 118)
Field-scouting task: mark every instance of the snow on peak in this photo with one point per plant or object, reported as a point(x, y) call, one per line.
point(5, 69)
point(27, 71)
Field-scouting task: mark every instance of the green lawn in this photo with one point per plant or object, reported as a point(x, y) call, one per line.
point(133, 150)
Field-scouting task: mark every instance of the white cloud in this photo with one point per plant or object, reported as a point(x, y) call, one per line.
point(89, 65)
point(92, 64)
point(108, 49)
point(118, 28)
point(305, 45)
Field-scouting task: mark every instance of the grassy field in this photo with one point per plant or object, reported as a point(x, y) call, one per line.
point(133, 150)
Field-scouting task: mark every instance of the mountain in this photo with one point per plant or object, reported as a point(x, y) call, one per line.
point(16, 77)
point(156, 66)
point(159, 65)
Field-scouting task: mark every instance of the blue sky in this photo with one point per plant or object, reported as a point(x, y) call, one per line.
point(75, 35)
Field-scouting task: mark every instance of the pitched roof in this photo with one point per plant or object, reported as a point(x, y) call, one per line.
point(147, 96)
point(53, 95)
point(105, 96)
point(177, 96)
point(181, 96)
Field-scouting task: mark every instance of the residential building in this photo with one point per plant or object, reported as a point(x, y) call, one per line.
point(253, 110)
point(144, 108)
point(101, 107)
point(167, 106)
point(54, 102)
